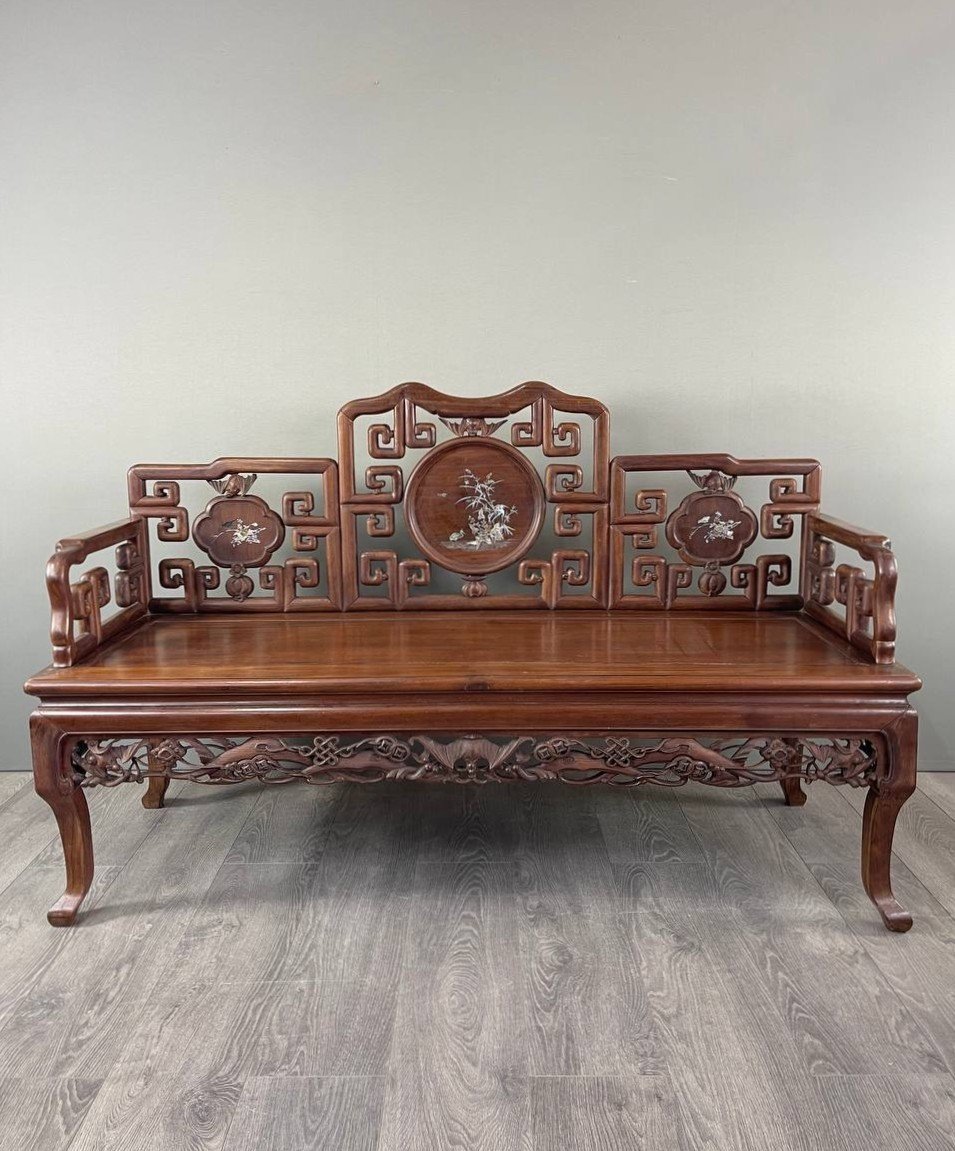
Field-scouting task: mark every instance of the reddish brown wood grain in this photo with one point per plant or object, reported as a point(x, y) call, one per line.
point(714, 639)
point(54, 783)
point(449, 651)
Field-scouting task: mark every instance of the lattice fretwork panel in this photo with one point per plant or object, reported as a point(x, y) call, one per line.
point(710, 531)
point(241, 534)
point(450, 502)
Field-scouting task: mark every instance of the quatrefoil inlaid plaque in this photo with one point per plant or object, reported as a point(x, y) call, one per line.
point(474, 506)
point(238, 530)
point(712, 526)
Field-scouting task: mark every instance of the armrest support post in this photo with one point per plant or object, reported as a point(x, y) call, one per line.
point(868, 621)
point(77, 627)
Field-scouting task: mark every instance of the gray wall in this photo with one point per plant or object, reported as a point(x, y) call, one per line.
point(732, 222)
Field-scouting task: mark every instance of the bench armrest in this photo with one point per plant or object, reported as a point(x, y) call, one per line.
point(867, 598)
point(77, 626)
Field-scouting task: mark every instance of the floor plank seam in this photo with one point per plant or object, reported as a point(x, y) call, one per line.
point(625, 1103)
point(875, 964)
point(15, 795)
point(701, 842)
point(184, 926)
point(53, 840)
point(71, 1142)
point(339, 799)
point(931, 798)
point(597, 1076)
point(838, 909)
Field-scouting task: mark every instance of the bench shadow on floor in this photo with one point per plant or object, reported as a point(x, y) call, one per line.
point(536, 966)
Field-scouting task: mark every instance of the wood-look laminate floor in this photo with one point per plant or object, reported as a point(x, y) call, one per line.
point(408, 968)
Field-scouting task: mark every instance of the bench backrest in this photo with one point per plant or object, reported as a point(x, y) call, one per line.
point(509, 501)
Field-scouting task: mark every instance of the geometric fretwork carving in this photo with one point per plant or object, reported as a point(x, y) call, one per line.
point(78, 625)
point(723, 554)
point(857, 604)
point(420, 535)
point(238, 532)
point(617, 759)
point(506, 501)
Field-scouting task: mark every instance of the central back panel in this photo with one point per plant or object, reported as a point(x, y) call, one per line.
point(498, 502)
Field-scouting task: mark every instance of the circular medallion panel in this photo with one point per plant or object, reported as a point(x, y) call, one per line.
point(474, 505)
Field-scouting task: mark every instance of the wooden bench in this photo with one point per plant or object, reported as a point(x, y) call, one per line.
point(475, 594)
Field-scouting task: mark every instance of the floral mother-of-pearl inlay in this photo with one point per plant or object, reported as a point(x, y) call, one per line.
point(715, 527)
point(241, 529)
point(489, 521)
point(243, 533)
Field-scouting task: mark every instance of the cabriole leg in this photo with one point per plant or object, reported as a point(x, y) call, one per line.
point(882, 806)
point(53, 781)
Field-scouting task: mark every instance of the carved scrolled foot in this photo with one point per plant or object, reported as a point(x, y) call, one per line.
point(878, 828)
point(63, 913)
point(155, 791)
point(882, 806)
point(793, 793)
point(54, 784)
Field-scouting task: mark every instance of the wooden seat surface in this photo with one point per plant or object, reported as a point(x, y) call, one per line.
point(371, 652)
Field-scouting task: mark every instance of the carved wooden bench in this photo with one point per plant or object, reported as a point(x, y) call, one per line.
point(362, 621)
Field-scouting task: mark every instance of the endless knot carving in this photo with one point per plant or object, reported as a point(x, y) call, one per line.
point(621, 760)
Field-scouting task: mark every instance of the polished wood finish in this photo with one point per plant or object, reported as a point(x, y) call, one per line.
point(77, 627)
point(531, 418)
point(653, 581)
point(793, 794)
point(321, 639)
point(883, 803)
point(156, 789)
point(307, 580)
point(508, 652)
point(54, 782)
point(868, 621)
point(157, 784)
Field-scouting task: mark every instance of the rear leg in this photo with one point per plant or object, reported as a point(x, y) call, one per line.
point(793, 794)
point(156, 785)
